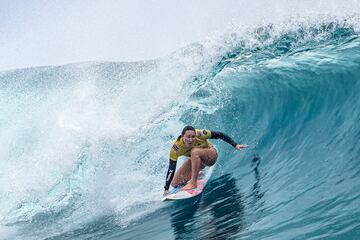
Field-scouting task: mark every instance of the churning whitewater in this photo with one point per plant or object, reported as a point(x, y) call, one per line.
point(84, 147)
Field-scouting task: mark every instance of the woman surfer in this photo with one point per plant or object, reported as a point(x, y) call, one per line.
point(194, 144)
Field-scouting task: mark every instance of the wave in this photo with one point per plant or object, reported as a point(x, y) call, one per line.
point(85, 145)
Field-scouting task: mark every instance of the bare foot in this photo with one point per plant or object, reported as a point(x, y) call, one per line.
point(189, 186)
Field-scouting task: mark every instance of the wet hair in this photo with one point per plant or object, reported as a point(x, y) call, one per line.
point(186, 128)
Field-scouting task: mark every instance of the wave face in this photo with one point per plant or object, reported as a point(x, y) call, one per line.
point(84, 147)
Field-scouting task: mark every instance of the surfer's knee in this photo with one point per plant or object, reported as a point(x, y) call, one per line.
point(195, 153)
point(207, 156)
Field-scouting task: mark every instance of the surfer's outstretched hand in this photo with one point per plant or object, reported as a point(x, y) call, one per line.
point(240, 146)
point(166, 192)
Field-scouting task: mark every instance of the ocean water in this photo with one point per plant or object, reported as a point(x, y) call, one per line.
point(84, 147)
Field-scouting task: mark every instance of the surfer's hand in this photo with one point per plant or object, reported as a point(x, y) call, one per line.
point(166, 192)
point(240, 146)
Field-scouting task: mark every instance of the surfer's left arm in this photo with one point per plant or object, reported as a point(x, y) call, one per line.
point(228, 139)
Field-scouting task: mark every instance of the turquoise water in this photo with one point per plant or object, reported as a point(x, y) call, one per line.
point(84, 147)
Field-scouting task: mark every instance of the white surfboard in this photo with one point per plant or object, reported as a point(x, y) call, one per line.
point(178, 194)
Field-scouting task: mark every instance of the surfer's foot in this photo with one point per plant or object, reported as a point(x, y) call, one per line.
point(189, 186)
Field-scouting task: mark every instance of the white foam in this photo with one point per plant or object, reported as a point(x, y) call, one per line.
point(7, 232)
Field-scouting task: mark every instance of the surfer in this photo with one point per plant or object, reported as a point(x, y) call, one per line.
point(193, 143)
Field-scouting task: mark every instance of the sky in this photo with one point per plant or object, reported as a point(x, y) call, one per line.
point(54, 32)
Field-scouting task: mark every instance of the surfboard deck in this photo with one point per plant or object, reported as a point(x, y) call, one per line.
point(178, 194)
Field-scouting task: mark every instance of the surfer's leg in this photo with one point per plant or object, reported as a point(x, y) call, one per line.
point(200, 156)
point(208, 156)
point(183, 174)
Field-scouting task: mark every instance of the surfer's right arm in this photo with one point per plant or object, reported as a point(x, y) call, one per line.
point(170, 175)
point(172, 167)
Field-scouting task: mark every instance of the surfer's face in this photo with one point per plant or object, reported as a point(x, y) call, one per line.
point(189, 138)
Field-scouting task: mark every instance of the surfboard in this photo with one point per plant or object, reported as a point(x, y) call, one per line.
point(178, 194)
